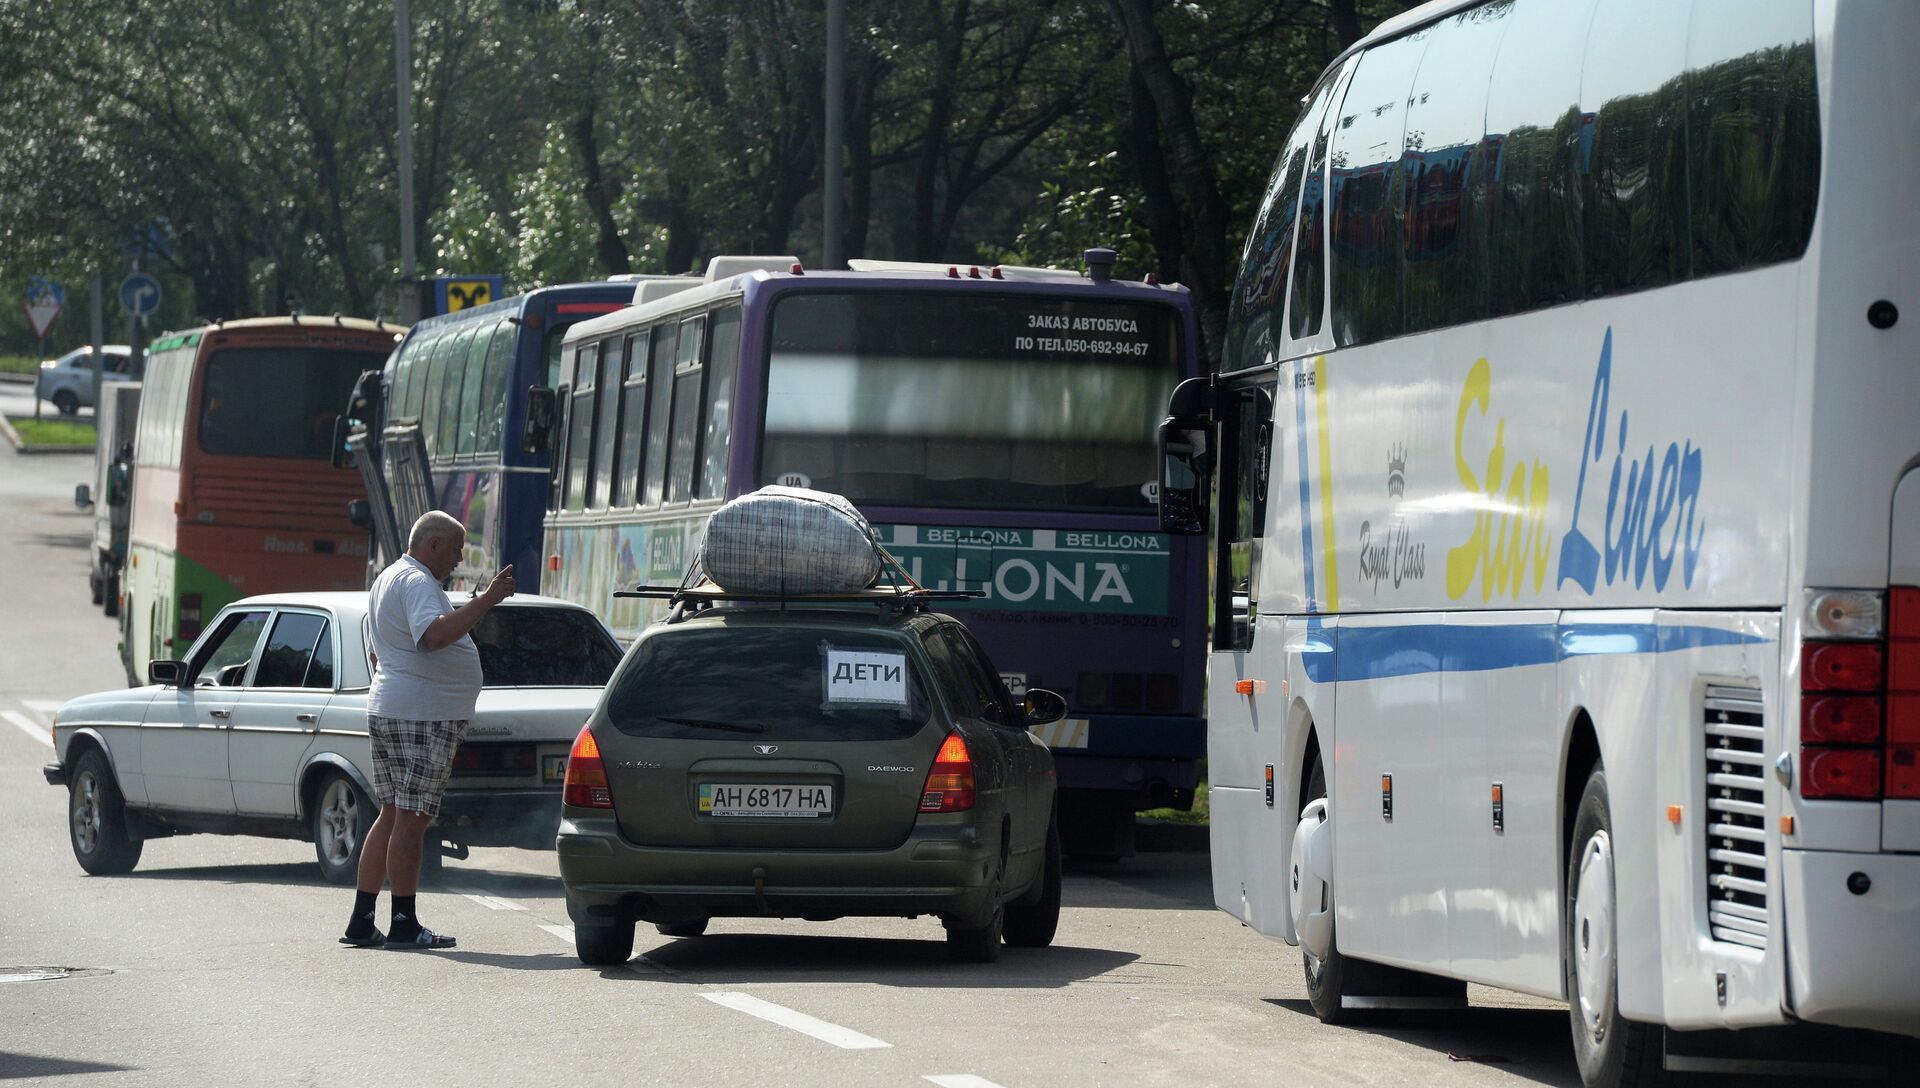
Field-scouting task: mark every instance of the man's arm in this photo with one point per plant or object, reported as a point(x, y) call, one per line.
point(455, 625)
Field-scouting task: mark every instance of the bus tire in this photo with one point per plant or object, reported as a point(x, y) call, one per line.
point(1326, 978)
point(1610, 1050)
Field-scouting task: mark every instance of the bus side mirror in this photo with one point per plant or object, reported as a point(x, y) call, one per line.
point(82, 496)
point(537, 435)
point(1186, 476)
point(360, 513)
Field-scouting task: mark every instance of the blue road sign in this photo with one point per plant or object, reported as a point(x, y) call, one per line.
point(452, 293)
point(140, 294)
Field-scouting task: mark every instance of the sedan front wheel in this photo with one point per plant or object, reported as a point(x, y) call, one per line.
point(97, 819)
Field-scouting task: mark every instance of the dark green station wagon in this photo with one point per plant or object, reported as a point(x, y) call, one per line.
point(816, 762)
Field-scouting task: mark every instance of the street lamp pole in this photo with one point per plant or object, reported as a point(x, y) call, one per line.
point(832, 228)
point(403, 99)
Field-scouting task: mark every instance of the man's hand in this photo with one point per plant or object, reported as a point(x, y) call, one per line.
point(501, 587)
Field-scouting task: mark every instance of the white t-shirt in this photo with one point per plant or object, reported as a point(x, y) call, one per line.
point(409, 681)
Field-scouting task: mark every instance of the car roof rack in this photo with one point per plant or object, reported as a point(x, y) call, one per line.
point(696, 599)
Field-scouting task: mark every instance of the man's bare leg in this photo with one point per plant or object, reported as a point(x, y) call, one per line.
point(404, 848)
point(373, 852)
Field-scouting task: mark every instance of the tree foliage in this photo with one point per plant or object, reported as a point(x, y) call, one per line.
point(559, 140)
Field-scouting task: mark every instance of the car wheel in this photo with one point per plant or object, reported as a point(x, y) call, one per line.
point(96, 585)
point(97, 819)
point(111, 602)
point(979, 944)
point(682, 929)
point(339, 819)
point(1610, 1049)
point(1032, 924)
point(603, 944)
point(66, 401)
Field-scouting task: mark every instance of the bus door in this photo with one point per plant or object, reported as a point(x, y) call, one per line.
point(409, 476)
point(388, 543)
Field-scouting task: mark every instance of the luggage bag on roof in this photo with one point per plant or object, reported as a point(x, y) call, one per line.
point(788, 541)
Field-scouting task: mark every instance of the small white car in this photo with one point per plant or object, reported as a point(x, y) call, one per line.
point(261, 729)
point(68, 380)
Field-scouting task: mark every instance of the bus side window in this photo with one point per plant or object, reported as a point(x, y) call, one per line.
point(447, 427)
point(579, 453)
point(1246, 432)
point(493, 388)
point(633, 422)
point(1633, 107)
point(687, 375)
point(1307, 295)
point(607, 424)
point(1369, 187)
point(466, 433)
point(659, 401)
point(723, 360)
point(429, 397)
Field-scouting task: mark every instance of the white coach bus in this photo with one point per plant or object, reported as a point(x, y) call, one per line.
point(1566, 637)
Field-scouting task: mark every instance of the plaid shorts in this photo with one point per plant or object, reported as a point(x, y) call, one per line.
point(412, 761)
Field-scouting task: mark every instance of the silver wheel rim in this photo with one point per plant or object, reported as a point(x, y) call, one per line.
point(86, 812)
point(336, 831)
point(1592, 937)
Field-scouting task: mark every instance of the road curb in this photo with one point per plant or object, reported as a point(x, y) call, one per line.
point(20, 445)
point(17, 379)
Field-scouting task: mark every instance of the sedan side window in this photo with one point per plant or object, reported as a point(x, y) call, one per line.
point(233, 646)
point(289, 651)
point(981, 681)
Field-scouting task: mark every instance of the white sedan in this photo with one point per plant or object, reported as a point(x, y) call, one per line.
point(261, 729)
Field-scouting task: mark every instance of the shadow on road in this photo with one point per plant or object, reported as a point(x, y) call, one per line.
point(1529, 1044)
point(882, 961)
point(24, 1066)
point(1167, 881)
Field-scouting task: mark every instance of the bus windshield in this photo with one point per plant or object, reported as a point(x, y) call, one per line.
point(1021, 402)
point(278, 402)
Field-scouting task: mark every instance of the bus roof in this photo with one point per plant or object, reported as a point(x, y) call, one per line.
point(182, 337)
point(614, 290)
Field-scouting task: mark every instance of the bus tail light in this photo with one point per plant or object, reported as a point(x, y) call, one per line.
point(1840, 719)
point(949, 785)
point(586, 775)
point(1841, 774)
point(1903, 693)
point(1841, 666)
point(189, 616)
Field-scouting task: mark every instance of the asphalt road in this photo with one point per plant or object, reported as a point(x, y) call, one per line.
point(215, 961)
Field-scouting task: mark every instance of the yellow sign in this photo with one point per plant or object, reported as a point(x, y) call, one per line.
point(466, 294)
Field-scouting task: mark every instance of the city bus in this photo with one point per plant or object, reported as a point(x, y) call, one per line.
point(995, 424)
point(1561, 473)
point(456, 390)
point(233, 490)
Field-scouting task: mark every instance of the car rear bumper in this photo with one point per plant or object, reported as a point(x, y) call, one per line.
point(1852, 959)
point(56, 775)
point(523, 818)
point(943, 870)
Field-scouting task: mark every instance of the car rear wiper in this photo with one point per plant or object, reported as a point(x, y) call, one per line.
point(704, 723)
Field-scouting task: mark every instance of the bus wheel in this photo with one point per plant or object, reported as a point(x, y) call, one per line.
point(1310, 889)
point(1610, 1049)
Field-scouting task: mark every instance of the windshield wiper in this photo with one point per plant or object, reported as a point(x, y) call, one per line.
point(703, 723)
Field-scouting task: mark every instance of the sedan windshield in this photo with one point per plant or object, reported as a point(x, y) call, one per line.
point(524, 647)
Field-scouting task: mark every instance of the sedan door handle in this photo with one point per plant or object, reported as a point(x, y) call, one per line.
point(222, 714)
point(308, 718)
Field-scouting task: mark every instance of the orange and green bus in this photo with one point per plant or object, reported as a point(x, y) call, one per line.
point(233, 489)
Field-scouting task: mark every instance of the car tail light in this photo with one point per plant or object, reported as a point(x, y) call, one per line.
point(586, 774)
point(949, 785)
point(1840, 774)
point(189, 616)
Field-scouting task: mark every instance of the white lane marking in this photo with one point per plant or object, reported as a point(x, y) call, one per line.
point(28, 726)
point(565, 933)
point(845, 1038)
point(41, 706)
point(959, 1080)
point(492, 902)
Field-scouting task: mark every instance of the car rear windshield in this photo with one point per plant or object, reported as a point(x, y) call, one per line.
point(788, 684)
point(544, 648)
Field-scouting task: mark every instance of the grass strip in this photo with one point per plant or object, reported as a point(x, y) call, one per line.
point(53, 432)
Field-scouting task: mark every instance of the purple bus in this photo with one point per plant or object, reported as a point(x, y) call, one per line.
point(998, 427)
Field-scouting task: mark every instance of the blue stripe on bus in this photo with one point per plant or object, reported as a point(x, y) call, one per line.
point(1306, 490)
point(1375, 653)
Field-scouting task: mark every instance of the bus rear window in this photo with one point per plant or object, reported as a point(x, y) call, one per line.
point(277, 402)
point(1022, 402)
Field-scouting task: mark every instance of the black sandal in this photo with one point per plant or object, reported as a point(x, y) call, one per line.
point(375, 939)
